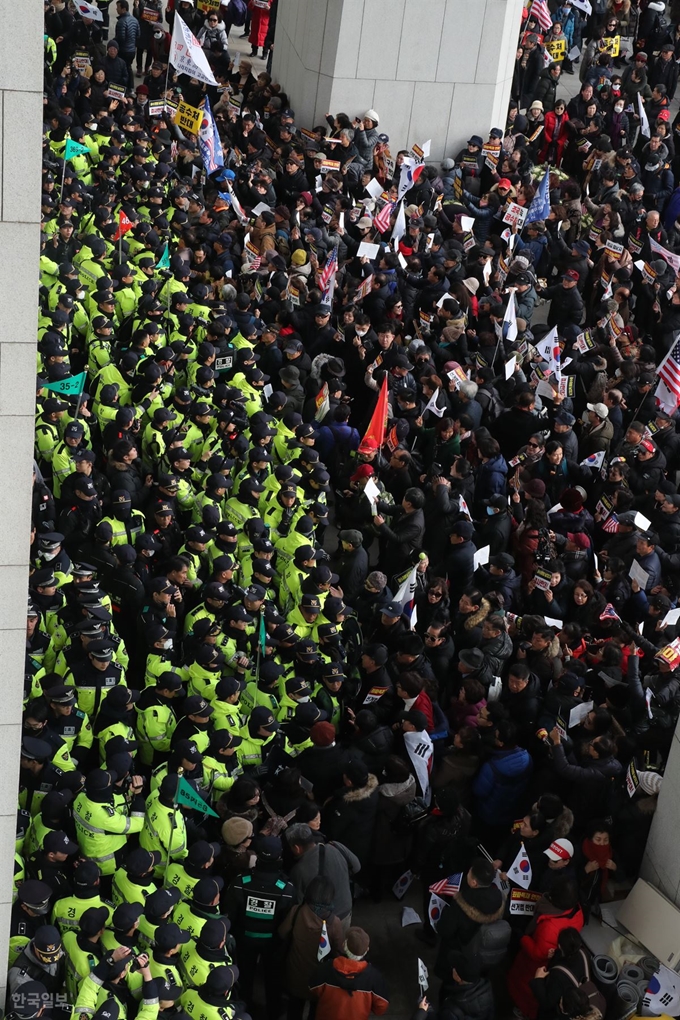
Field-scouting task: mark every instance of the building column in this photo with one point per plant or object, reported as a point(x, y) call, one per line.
point(21, 87)
point(439, 69)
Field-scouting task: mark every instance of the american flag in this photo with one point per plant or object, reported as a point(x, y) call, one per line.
point(609, 613)
point(329, 270)
point(539, 10)
point(611, 525)
point(668, 390)
point(382, 221)
point(447, 886)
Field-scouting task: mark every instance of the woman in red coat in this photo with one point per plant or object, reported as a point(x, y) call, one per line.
point(559, 909)
point(259, 25)
point(554, 134)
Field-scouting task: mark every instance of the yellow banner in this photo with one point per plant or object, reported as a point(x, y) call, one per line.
point(557, 49)
point(188, 118)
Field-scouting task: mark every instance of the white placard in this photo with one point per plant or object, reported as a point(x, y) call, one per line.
point(544, 389)
point(481, 556)
point(261, 207)
point(367, 249)
point(551, 621)
point(467, 223)
point(671, 617)
point(371, 491)
point(554, 509)
point(642, 522)
point(637, 573)
point(579, 713)
point(510, 367)
point(374, 188)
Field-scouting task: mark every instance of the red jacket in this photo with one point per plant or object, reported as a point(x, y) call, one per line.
point(533, 953)
point(348, 990)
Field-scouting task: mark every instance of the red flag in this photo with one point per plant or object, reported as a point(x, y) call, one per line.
point(124, 224)
point(374, 436)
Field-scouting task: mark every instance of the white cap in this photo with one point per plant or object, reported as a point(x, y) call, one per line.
point(600, 409)
point(372, 115)
point(560, 850)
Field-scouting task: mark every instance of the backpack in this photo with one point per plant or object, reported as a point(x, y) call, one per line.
point(595, 996)
point(237, 11)
point(410, 815)
point(490, 942)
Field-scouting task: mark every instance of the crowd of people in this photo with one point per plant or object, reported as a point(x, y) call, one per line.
point(350, 567)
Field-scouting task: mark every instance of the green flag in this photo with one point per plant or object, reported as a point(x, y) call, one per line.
point(69, 387)
point(188, 797)
point(164, 260)
point(262, 634)
point(75, 149)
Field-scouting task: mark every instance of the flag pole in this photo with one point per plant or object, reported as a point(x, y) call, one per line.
point(173, 825)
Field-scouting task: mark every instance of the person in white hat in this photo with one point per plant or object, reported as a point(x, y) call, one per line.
point(600, 432)
point(366, 136)
point(560, 864)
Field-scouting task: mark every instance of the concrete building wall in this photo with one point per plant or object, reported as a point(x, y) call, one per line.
point(661, 864)
point(438, 69)
point(21, 86)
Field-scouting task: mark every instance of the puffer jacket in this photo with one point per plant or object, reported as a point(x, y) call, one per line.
point(127, 33)
point(500, 783)
point(350, 819)
point(392, 844)
point(365, 142)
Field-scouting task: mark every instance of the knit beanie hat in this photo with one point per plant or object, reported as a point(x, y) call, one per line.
point(235, 830)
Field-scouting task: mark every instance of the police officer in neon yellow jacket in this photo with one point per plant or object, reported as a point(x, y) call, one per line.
point(103, 993)
point(102, 828)
point(164, 828)
point(211, 1001)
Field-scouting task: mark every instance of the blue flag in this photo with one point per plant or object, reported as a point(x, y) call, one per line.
point(540, 206)
point(209, 143)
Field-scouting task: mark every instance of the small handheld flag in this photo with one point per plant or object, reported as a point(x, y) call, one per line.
point(435, 909)
point(324, 943)
point(520, 869)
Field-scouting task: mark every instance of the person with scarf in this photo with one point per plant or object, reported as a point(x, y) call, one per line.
point(597, 861)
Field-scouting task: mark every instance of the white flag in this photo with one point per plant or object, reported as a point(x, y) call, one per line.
point(88, 10)
point(583, 5)
point(414, 616)
point(644, 123)
point(435, 909)
point(423, 977)
point(520, 869)
point(407, 589)
point(186, 54)
point(420, 749)
point(432, 405)
point(510, 318)
point(399, 228)
point(596, 460)
point(463, 507)
point(547, 344)
point(324, 943)
point(663, 992)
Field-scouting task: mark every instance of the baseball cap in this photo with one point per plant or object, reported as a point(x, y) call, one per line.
point(560, 850)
